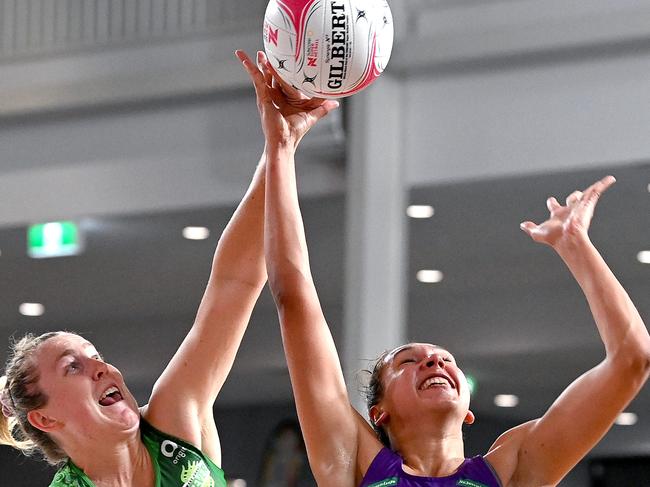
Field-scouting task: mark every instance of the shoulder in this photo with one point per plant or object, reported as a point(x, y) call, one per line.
point(504, 452)
point(386, 466)
point(478, 468)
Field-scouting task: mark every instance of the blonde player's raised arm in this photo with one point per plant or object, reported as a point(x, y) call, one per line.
point(59, 396)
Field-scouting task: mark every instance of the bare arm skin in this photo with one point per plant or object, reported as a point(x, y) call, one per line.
point(542, 452)
point(331, 428)
point(183, 397)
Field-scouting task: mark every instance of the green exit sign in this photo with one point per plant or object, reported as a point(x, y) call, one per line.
point(53, 239)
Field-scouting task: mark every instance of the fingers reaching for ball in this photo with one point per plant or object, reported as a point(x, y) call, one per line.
point(286, 114)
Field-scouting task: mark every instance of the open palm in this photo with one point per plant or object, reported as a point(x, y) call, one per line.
point(569, 221)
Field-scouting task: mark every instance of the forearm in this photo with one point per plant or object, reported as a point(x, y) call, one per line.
point(619, 323)
point(285, 246)
point(236, 280)
point(319, 389)
point(240, 252)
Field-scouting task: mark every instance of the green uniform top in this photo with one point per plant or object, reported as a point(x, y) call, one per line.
point(176, 464)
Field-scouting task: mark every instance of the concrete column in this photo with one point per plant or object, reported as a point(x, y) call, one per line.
point(375, 230)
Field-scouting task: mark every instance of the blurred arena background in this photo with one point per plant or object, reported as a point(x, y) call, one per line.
point(133, 119)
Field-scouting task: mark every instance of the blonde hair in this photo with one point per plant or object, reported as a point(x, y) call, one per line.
point(19, 394)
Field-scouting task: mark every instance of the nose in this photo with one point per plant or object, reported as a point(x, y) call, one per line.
point(433, 360)
point(99, 369)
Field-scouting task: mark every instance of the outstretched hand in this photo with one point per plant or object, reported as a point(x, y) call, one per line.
point(286, 114)
point(569, 221)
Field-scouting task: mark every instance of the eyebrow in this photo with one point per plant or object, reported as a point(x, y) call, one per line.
point(71, 351)
point(393, 355)
point(411, 347)
point(402, 349)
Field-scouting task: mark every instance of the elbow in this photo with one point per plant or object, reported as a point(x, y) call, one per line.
point(646, 359)
point(635, 361)
point(288, 287)
point(642, 357)
point(633, 350)
point(639, 362)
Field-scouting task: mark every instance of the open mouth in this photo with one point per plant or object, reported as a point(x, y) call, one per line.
point(110, 396)
point(436, 381)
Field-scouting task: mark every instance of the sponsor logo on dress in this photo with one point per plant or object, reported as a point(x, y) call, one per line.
point(469, 483)
point(196, 474)
point(168, 448)
point(385, 483)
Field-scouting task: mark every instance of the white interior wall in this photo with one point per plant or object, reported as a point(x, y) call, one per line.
point(530, 119)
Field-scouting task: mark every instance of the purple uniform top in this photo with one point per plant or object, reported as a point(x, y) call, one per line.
point(386, 471)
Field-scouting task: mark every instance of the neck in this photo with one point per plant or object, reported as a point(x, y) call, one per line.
point(122, 463)
point(434, 450)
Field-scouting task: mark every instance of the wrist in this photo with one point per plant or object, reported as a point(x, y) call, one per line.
point(571, 248)
point(283, 148)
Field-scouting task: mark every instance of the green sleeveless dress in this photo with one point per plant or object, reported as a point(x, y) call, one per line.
point(176, 464)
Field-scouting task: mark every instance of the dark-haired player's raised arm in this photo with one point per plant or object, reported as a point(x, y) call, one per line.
point(543, 451)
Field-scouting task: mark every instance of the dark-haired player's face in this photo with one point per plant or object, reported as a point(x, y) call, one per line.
point(420, 377)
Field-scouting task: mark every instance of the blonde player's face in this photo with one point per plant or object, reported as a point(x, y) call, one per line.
point(86, 396)
point(419, 378)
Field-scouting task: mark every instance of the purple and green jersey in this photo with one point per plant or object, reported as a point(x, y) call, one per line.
point(386, 471)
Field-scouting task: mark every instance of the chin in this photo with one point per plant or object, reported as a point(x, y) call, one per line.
point(127, 416)
point(441, 405)
point(130, 420)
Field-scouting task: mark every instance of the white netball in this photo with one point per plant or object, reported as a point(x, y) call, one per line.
point(328, 48)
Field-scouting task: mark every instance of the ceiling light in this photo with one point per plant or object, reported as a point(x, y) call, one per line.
point(31, 309)
point(196, 233)
point(237, 483)
point(643, 256)
point(626, 419)
point(420, 211)
point(506, 400)
point(429, 276)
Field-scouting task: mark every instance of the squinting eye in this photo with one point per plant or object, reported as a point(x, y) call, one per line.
point(72, 367)
point(447, 359)
point(406, 361)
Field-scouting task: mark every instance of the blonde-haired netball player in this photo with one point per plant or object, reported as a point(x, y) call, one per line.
point(61, 398)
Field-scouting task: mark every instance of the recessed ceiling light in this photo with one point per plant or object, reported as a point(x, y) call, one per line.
point(31, 309)
point(643, 256)
point(429, 276)
point(237, 483)
point(196, 233)
point(626, 419)
point(506, 400)
point(420, 211)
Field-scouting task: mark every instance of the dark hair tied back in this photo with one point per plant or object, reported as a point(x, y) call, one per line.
point(374, 392)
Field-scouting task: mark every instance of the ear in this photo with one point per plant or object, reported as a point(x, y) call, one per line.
point(469, 418)
point(42, 422)
point(377, 416)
